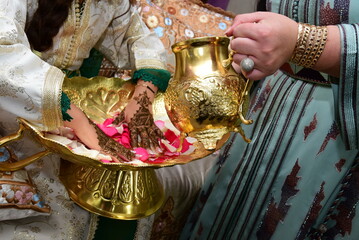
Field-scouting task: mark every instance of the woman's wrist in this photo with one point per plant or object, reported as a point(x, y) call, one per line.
point(318, 47)
point(310, 44)
point(157, 77)
point(148, 87)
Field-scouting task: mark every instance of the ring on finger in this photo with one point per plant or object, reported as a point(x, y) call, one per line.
point(247, 64)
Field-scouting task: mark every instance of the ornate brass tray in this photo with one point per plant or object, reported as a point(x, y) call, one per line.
point(205, 100)
point(117, 190)
point(99, 98)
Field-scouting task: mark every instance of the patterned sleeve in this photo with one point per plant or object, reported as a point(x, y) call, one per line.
point(348, 94)
point(129, 44)
point(29, 87)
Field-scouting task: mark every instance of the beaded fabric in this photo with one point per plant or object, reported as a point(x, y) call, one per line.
point(177, 20)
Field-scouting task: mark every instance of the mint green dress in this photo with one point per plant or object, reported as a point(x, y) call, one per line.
point(299, 177)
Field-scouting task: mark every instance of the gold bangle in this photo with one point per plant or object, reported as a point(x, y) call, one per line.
point(310, 45)
point(303, 33)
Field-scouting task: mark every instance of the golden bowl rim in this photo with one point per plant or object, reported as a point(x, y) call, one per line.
point(182, 45)
point(65, 151)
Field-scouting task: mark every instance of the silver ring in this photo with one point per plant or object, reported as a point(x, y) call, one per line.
point(247, 64)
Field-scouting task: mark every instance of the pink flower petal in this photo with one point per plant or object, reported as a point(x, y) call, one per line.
point(108, 121)
point(170, 136)
point(109, 131)
point(167, 146)
point(125, 141)
point(105, 161)
point(141, 154)
point(161, 125)
point(190, 150)
point(185, 145)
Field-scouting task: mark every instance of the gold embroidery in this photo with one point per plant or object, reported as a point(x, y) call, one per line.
point(135, 28)
point(149, 63)
point(51, 108)
point(76, 25)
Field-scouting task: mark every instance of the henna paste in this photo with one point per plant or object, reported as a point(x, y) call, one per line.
point(144, 132)
point(112, 147)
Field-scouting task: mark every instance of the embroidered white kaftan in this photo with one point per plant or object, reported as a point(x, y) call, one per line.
point(31, 86)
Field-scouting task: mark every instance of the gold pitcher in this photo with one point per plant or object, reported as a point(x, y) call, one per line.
point(206, 97)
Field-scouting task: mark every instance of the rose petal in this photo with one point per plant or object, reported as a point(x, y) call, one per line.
point(141, 154)
point(190, 150)
point(171, 136)
point(161, 125)
point(167, 146)
point(191, 140)
point(105, 160)
point(185, 145)
point(109, 131)
point(108, 121)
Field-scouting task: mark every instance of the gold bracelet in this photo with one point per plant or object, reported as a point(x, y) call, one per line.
point(303, 33)
point(310, 45)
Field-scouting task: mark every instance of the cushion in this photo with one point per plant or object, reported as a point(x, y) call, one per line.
point(18, 195)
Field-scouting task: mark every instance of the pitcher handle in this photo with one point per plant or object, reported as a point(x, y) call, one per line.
point(23, 162)
point(244, 94)
point(228, 62)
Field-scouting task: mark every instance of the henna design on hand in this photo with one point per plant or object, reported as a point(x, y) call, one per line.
point(110, 146)
point(144, 132)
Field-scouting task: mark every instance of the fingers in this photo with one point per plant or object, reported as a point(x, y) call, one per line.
point(244, 18)
point(146, 137)
point(255, 74)
point(253, 31)
point(114, 159)
point(238, 60)
point(245, 46)
point(134, 136)
point(155, 134)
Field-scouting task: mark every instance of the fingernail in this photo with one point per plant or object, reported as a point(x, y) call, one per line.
point(228, 30)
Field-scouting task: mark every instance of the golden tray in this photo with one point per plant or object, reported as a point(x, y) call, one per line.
point(117, 190)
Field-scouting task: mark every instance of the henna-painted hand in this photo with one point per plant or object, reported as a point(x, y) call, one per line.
point(143, 131)
point(94, 138)
point(138, 114)
point(111, 147)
